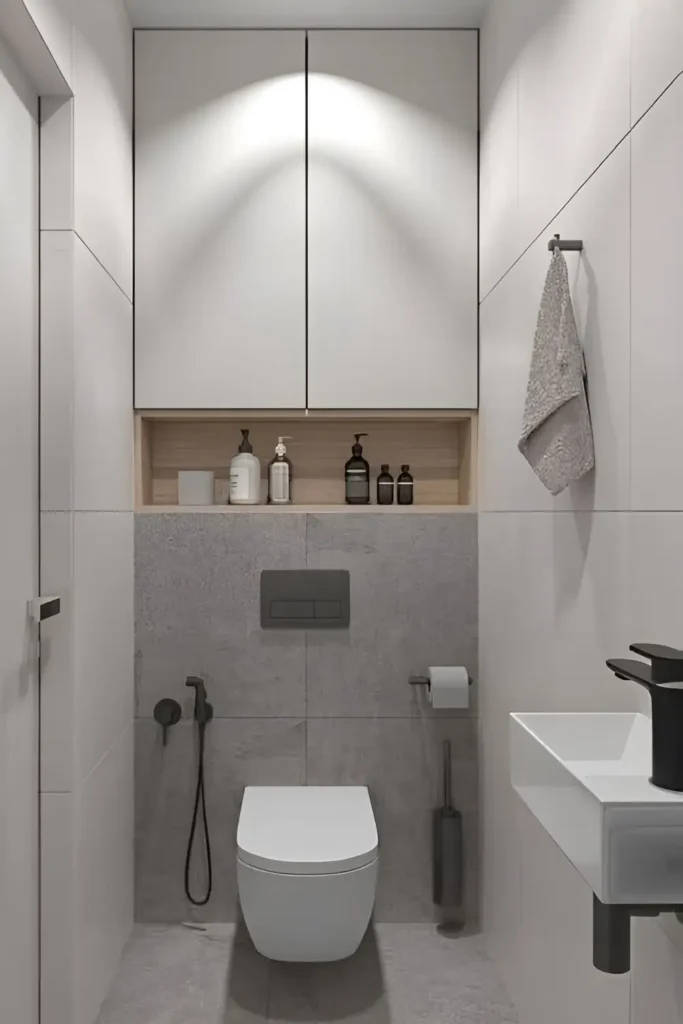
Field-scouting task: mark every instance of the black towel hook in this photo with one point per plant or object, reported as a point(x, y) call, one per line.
point(565, 244)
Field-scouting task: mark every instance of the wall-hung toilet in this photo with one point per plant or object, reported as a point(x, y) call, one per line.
point(307, 859)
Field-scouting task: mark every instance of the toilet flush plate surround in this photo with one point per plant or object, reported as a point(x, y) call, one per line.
point(585, 777)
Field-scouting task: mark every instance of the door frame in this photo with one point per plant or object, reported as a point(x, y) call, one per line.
point(31, 53)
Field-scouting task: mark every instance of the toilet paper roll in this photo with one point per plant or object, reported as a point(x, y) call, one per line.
point(449, 686)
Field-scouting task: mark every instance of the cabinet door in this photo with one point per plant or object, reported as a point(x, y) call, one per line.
point(220, 271)
point(392, 219)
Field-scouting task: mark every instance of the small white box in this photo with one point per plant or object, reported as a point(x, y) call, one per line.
point(195, 487)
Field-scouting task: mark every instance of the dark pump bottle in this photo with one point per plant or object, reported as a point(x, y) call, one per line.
point(404, 487)
point(385, 487)
point(357, 476)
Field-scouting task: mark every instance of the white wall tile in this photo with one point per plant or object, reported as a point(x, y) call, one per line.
point(560, 593)
point(57, 655)
point(103, 86)
point(574, 100)
point(56, 376)
point(655, 552)
point(657, 304)
point(53, 20)
point(103, 875)
point(656, 585)
point(500, 848)
point(57, 164)
point(58, 912)
point(502, 42)
point(103, 401)
point(553, 606)
point(103, 602)
point(674, 929)
point(86, 381)
point(657, 50)
point(599, 280)
point(558, 982)
point(657, 975)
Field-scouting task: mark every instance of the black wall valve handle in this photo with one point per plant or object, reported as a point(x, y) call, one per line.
point(167, 712)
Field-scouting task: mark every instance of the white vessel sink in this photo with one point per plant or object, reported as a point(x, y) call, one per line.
point(586, 778)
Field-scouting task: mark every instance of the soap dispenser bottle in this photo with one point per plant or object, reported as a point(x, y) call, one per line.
point(357, 476)
point(280, 475)
point(245, 475)
point(404, 486)
point(385, 487)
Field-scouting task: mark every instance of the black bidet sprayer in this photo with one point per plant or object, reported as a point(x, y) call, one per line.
point(203, 713)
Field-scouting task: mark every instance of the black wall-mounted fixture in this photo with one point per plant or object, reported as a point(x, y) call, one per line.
point(565, 244)
point(203, 711)
point(167, 712)
point(663, 679)
point(612, 932)
point(43, 608)
point(203, 714)
point(305, 599)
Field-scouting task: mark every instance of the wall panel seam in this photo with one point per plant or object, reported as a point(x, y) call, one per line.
point(573, 196)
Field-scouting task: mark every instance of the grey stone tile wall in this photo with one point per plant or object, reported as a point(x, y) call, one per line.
point(294, 708)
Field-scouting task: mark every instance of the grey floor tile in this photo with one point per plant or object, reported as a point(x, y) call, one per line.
point(188, 975)
point(440, 980)
point(239, 752)
point(352, 990)
point(402, 974)
point(413, 604)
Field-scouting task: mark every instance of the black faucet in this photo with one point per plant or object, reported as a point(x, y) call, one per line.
point(663, 679)
point(203, 712)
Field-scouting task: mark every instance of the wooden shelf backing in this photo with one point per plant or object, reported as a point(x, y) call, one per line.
point(439, 447)
point(303, 509)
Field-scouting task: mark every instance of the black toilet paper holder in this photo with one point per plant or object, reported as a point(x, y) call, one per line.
point(425, 681)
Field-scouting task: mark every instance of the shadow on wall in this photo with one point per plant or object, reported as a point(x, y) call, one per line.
point(346, 989)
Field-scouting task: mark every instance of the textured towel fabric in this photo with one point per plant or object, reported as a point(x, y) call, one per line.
point(557, 440)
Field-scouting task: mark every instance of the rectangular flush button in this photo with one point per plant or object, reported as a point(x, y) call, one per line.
point(305, 599)
point(291, 609)
point(327, 609)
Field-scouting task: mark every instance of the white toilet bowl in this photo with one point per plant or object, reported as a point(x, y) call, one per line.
point(307, 859)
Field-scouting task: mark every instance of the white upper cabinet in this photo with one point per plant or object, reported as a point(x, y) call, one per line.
point(220, 297)
point(392, 219)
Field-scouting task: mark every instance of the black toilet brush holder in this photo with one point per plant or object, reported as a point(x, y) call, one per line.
point(663, 679)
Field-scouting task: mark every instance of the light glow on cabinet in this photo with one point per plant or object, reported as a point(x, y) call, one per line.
point(392, 219)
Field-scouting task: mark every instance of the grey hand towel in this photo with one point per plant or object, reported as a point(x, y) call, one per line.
point(557, 440)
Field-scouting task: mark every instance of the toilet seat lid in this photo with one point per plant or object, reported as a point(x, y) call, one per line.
point(307, 830)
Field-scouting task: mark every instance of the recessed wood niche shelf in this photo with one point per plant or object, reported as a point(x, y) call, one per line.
point(440, 447)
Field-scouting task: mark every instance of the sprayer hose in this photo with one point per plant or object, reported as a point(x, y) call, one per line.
point(200, 798)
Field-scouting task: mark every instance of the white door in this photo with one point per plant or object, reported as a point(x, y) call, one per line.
point(220, 229)
point(19, 925)
point(392, 220)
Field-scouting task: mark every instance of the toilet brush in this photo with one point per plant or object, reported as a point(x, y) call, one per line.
point(448, 844)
